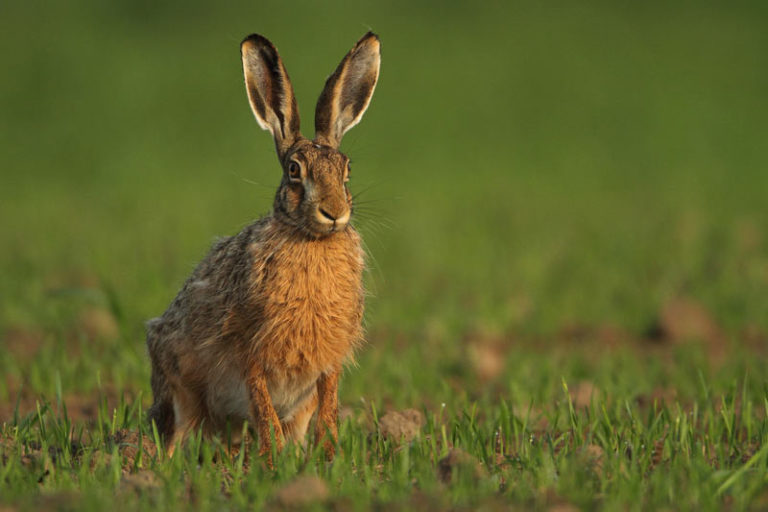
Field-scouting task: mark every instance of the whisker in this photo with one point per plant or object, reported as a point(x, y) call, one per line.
point(251, 182)
point(375, 217)
point(367, 188)
point(374, 201)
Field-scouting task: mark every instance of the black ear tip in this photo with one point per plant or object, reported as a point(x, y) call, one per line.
point(370, 35)
point(256, 41)
point(369, 39)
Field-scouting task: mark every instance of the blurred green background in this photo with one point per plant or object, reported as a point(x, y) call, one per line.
point(525, 167)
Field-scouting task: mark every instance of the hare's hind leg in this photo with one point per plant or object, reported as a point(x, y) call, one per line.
point(161, 412)
point(183, 422)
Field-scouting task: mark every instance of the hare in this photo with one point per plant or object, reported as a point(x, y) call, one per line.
point(262, 328)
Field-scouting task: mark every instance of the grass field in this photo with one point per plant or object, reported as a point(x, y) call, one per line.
point(566, 214)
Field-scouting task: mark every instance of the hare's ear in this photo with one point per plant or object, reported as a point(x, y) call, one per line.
point(348, 91)
point(269, 91)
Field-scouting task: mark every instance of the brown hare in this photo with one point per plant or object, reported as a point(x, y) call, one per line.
point(261, 329)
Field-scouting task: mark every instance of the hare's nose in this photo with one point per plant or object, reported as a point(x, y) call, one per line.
point(325, 217)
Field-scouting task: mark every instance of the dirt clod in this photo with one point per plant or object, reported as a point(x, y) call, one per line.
point(23, 343)
point(486, 358)
point(128, 445)
point(657, 453)
point(401, 425)
point(682, 320)
point(459, 462)
point(302, 491)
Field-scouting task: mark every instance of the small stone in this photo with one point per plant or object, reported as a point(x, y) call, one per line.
point(401, 425)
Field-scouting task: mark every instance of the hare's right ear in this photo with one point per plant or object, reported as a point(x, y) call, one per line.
point(269, 91)
point(348, 91)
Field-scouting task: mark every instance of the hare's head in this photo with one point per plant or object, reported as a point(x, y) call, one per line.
point(313, 195)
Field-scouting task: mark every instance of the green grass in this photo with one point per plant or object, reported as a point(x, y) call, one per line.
point(542, 185)
point(609, 453)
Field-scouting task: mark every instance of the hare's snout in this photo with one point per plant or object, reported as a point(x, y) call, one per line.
point(332, 219)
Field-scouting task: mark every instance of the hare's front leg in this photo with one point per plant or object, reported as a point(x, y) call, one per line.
point(264, 414)
point(327, 411)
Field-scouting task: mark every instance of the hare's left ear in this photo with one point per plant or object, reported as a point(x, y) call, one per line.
point(270, 91)
point(348, 91)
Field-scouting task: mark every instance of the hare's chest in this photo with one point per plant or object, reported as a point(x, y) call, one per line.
point(312, 309)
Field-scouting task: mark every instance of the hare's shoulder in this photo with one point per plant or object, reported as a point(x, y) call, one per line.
point(219, 280)
point(226, 262)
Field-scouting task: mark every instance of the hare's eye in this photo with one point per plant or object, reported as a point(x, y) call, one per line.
point(346, 174)
point(294, 170)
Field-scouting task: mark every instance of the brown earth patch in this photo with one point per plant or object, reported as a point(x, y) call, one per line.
point(582, 393)
point(21, 396)
point(36, 460)
point(486, 356)
point(302, 491)
point(755, 339)
point(683, 320)
point(575, 333)
point(128, 444)
point(660, 396)
point(81, 407)
point(578, 335)
point(612, 336)
point(92, 323)
point(23, 343)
